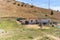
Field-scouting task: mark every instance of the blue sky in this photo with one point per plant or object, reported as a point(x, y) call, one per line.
point(54, 4)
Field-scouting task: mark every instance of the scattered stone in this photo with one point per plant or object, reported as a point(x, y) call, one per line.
point(2, 31)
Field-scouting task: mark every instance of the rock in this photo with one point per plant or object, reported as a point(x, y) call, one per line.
point(2, 31)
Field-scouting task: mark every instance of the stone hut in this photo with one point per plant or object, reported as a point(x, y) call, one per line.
point(44, 21)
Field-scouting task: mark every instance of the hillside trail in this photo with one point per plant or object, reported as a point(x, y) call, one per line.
point(47, 35)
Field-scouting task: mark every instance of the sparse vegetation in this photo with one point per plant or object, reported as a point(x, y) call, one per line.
point(19, 32)
point(18, 4)
point(46, 15)
point(52, 12)
point(30, 37)
point(32, 6)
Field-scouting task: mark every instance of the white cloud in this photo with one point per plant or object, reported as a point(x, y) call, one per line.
point(55, 7)
point(51, 7)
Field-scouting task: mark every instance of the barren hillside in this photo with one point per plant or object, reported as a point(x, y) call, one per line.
point(12, 8)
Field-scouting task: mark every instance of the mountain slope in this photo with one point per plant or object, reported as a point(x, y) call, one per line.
point(12, 8)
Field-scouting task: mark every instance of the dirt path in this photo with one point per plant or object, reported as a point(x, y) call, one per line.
point(37, 38)
point(32, 26)
point(18, 22)
point(53, 37)
point(47, 35)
